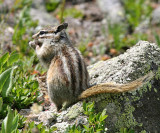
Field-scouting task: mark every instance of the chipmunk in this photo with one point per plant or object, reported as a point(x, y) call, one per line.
point(67, 75)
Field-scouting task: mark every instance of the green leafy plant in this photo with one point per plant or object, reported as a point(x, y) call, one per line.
point(96, 122)
point(125, 130)
point(6, 74)
point(74, 129)
point(22, 33)
point(131, 40)
point(13, 123)
point(1, 103)
point(1, 1)
point(71, 12)
point(6, 60)
point(25, 90)
point(83, 49)
point(136, 11)
point(10, 123)
point(21, 120)
point(82, 46)
point(121, 40)
point(16, 91)
point(117, 32)
point(20, 4)
point(32, 127)
point(6, 82)
point(157, 38)
point(51, 5)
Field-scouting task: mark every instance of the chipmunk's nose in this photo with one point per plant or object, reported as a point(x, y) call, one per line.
point(34, 36)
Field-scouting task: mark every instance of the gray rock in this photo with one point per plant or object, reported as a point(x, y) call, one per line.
point(90, 11)
point(6, 5)
point(61, 127)
point(6, 38)
point(25, 112)
point(112, 9)
point(155, 16)
point(39, 4)
point(139, 109)
point(43, 17)
point(47, 117)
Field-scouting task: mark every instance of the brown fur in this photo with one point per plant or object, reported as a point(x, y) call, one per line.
point(115, 88)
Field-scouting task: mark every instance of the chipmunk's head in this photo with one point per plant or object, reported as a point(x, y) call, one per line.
point(50, 36)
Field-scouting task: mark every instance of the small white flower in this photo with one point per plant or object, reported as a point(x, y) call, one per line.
point(106, 129)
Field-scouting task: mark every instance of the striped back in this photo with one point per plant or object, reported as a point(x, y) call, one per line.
point(75, 69)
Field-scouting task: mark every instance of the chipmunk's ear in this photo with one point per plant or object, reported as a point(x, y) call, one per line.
point(61, 27)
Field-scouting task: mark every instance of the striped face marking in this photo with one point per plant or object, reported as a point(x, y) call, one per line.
point(44, 34)
point(50, 31)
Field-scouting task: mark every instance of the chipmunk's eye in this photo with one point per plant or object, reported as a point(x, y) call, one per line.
point(42, 32)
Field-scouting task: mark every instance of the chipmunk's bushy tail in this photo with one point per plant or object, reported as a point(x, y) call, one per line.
point(116, 88)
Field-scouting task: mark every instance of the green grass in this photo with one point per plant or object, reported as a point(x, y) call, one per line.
point(51, 5)
point(22, 32)
point(136, 11)
point(71, 12)
point(157, 38)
